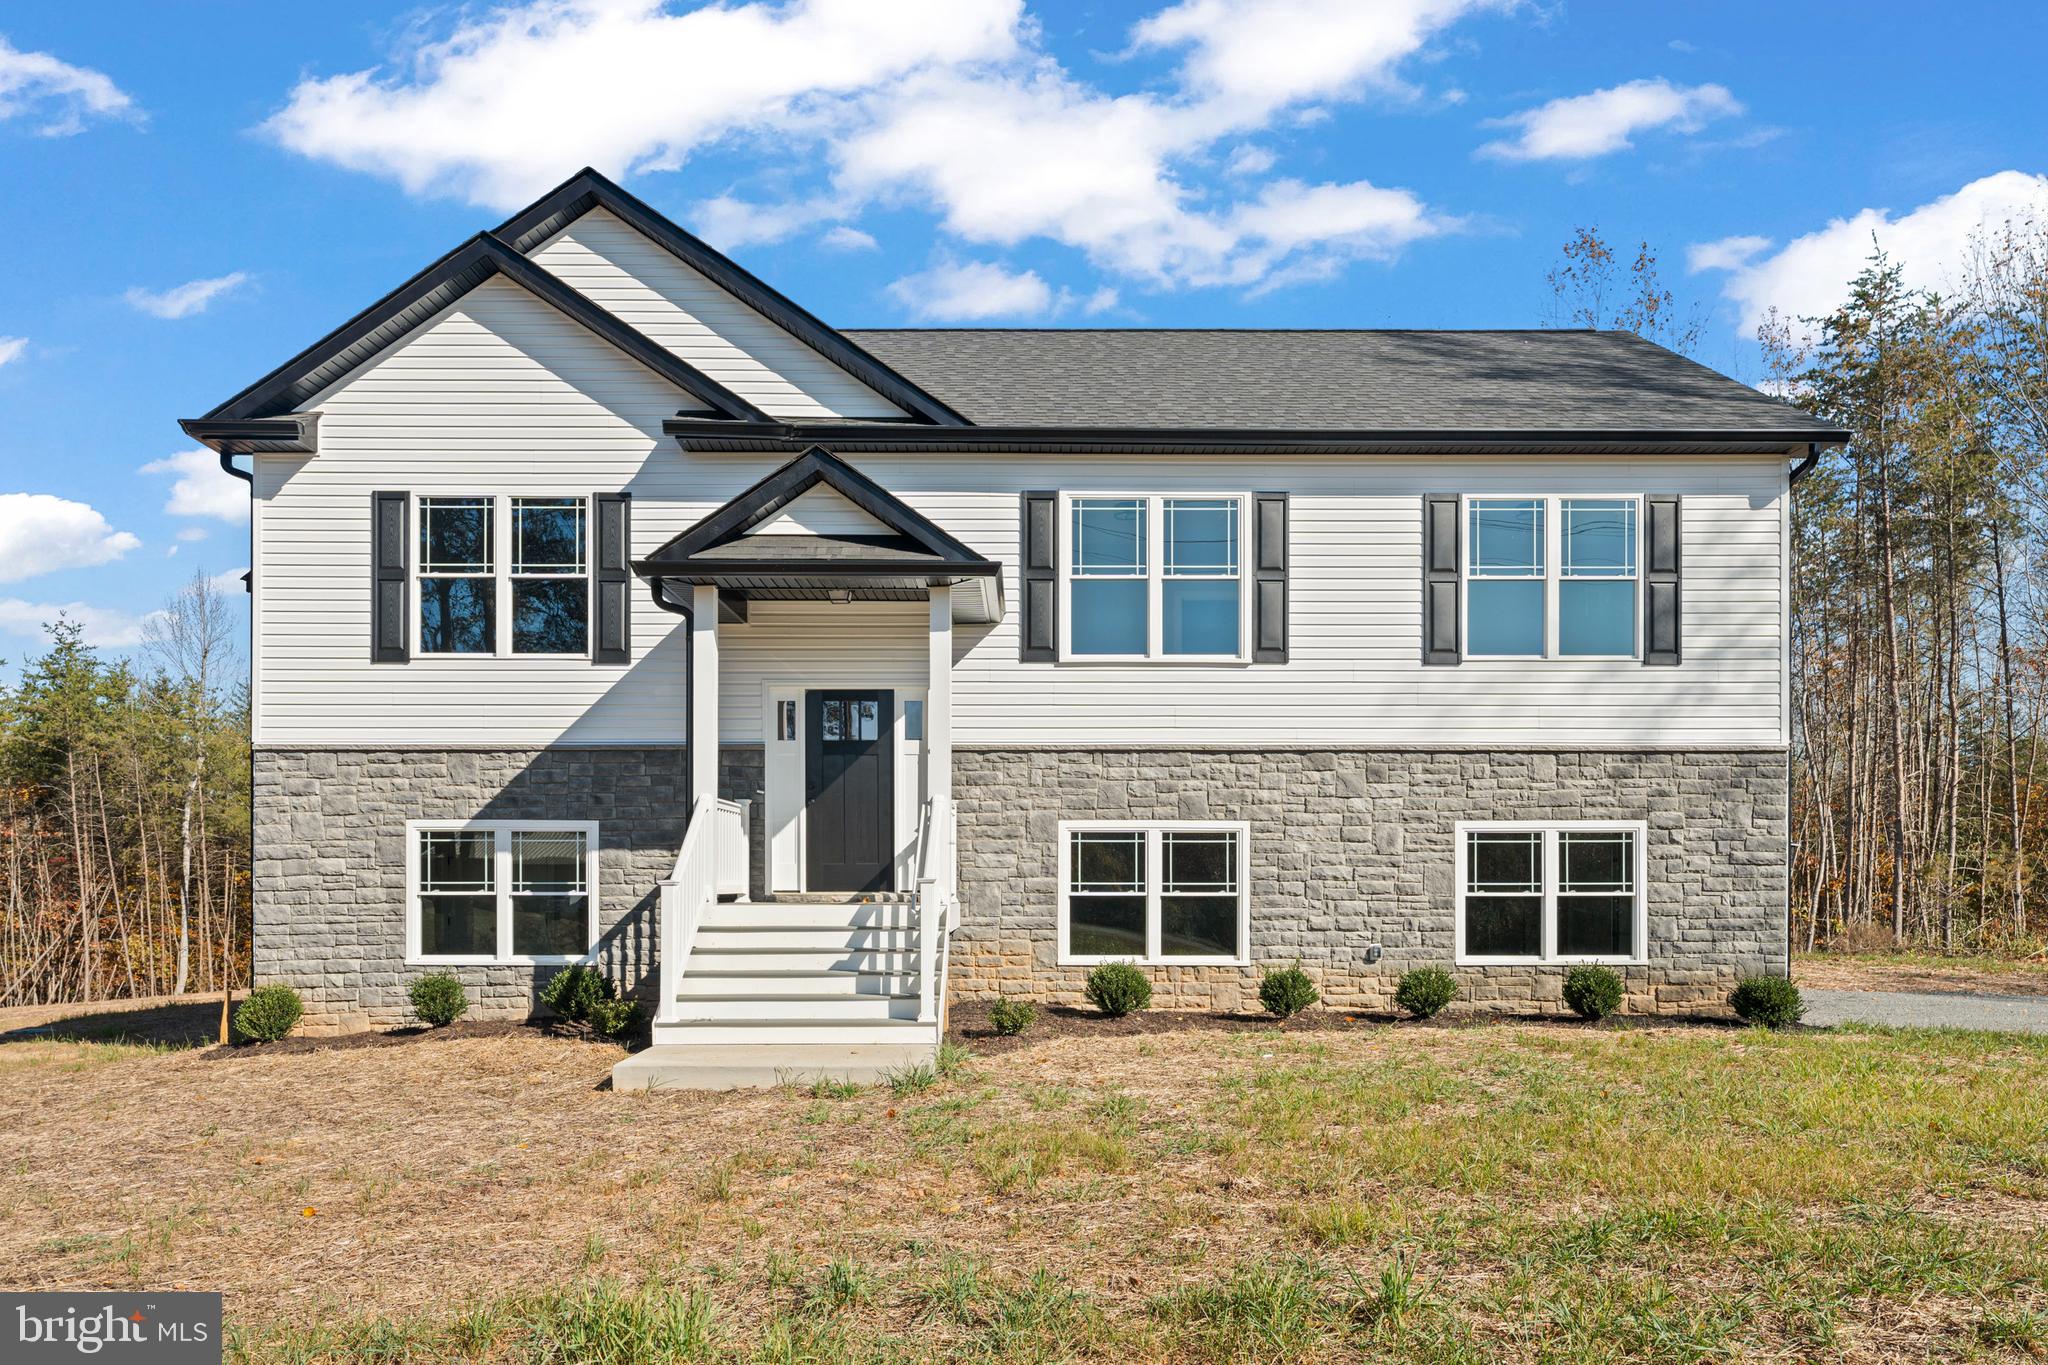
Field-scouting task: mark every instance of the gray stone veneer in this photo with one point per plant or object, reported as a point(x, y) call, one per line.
point(1353, 848)
point(329, 883)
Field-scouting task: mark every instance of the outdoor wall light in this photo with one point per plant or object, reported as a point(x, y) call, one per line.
point(1372, 953)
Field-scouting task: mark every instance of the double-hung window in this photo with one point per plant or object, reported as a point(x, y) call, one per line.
point(1154, 577)
point(1159, 893)
point(1551, 577)
point(1550, 893)
point(502, 891)
point(467, 587)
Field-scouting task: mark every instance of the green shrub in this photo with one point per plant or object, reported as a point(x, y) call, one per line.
point(439, 999)
point(1772, 1001)
point(1593, 992)
point(1287, 991)
point(574, 991)
point(1010, 1016)
point(614, 1018)
point(268, 1014)
point(1424, 991)
point(1117, 988)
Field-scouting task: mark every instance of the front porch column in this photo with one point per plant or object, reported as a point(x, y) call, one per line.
point(938, 707)
point(703, 692)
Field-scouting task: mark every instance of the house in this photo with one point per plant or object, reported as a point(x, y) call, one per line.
point(608, 605)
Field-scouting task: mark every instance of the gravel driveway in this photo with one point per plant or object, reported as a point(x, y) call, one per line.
point(1929, 1009)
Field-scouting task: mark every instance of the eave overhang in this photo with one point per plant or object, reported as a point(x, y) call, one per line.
point(699, 434)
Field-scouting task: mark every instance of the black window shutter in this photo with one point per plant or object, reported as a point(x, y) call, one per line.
point(1440, 578)
point(1038, 633)
point(390, 540)
point(612, 636)
point(1663, 601)
point(1269, 606)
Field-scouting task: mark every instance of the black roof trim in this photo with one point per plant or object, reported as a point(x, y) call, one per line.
point(588, 189)
point(292, 434)
point(785, 485)
point(348, 346)
point(702, 434)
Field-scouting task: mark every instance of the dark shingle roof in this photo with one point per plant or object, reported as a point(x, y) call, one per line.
point(1327, 380)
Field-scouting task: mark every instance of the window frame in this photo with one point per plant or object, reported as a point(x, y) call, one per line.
point(1155, 577)
point(1552, 577)
point(501, 866)
point(502, 575)
point(1154, 881)
point(1550, 830)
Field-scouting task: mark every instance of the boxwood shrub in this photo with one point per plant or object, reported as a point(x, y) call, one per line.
point(1425, 991)
point(439, 999)
point(574, 991)
point(1010, 1016)
point(1772, 1001)
point(1118, 988)
point(614, 1018)
point(1287, 991)
point(270, 1013)
point(1592, 991)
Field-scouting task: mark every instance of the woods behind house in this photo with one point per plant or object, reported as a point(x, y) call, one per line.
point(124, 819)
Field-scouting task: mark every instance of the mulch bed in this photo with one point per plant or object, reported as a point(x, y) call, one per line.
point(968, 1022)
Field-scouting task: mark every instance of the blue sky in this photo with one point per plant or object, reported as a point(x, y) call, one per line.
point(201, 190)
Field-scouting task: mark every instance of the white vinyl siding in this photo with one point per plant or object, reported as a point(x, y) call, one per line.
point(602, 257)
point(1354, 676)
point(500, 396)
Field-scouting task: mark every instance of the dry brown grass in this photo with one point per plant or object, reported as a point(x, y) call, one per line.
point(1150, 1172)
point(1920, 972)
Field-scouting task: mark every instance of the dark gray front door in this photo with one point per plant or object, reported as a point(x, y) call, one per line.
point(850, 790)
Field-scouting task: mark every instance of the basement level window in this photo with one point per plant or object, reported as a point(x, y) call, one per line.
point(1153, 893)
point(508, 891)
point(1550, 893)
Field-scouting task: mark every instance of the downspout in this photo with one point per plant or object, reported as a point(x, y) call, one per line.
point(1805, 466)
point(661, 599)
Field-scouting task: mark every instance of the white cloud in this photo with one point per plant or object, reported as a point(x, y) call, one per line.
point(1730, 253)
point(1249, 160)
point(185, 299)
point(40, 534)
point(948, 103)
point(511, 100)
point(192, 533)
point(973, 291)
point(1581, 126)
point(844, 238)
point(229, 583)
point(105, 627)
point(201, 487)
point(1809, 276)
point(1101, 301)
point(37, 85)
point(1255, 56)
point(11, 348)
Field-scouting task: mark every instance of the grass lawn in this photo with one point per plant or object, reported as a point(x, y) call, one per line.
point(1531, 1191)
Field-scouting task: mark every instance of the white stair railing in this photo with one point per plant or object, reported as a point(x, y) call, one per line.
point(734, 847)
point(937, 907)
point(685, 895)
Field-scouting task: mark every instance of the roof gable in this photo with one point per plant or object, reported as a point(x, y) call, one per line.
point(528, 229)
point(335, 356)
point(914, 533)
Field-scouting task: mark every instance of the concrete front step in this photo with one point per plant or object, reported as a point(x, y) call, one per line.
point(704, 978)
point(845, 1006)
point(759, 1065)
point(791, 1027)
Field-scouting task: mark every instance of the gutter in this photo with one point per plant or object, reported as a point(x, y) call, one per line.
point(701, 433)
